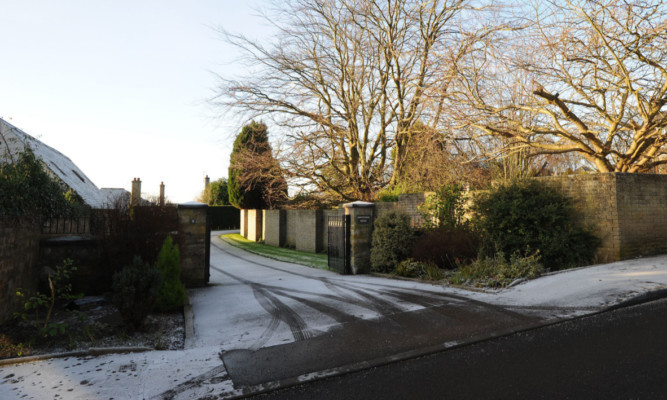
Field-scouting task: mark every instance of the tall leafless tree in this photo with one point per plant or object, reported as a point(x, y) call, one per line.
point(583, 77)
point(347, 80)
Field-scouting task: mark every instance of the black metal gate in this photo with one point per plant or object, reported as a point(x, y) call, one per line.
point(338, 235)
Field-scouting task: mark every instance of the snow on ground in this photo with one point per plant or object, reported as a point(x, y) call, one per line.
point(239, 311)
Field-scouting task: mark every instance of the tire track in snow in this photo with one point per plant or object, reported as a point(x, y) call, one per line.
point(283, 312)
point(278, 310)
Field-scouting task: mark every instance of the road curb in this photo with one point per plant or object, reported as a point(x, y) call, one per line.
point(639, 299)
point(93, 352)
point(189, 322)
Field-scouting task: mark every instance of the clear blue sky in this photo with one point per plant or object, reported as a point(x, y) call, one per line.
point(120, 87)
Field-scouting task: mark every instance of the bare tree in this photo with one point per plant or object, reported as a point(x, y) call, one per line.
point(347, 80)
point(584, 77)
point(431, 161)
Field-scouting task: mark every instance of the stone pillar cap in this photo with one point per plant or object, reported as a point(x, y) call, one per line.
point(359, 204)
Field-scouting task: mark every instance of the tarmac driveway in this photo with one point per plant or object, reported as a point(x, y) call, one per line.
point(276, 320)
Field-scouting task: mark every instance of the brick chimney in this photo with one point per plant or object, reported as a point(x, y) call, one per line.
point(160, 201)
point(207, 181)
point(136, 192)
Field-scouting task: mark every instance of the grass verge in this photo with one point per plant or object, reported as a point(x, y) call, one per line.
point(277, 253)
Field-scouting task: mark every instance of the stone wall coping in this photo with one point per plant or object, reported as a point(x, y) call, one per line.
point(359, 204)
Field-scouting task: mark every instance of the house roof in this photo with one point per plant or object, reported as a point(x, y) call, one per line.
point(114, 196)
point(13, 141)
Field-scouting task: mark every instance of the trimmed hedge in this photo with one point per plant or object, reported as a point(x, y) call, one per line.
point(224, 217)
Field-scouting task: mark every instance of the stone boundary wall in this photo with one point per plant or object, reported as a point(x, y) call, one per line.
point(25, 251)
point(291, 228)
point(19, 250)
point(306, 230)
point(594, 201)
point(273, 227)
point(628, 212)
point(407, 203)
point(642, 214)
point(254, 225)
point(308, 234)
point(244, 223)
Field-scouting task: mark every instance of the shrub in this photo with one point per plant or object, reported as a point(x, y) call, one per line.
point(135, 291)
point(392, 241)
point(497, 271)
point(526, 216)
point(446, 247)
point(411, 268)
point(445, 208)
point(172, 292)
point(60, 288)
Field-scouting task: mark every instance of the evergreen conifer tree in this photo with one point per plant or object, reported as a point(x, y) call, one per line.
point(255, 179)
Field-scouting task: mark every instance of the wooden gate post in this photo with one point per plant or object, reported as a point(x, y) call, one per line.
point(361, 229)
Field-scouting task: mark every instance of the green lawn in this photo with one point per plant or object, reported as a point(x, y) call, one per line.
point(277, 253)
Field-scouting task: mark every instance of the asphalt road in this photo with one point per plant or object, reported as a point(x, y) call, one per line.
point(620, 354)
point(292, 320)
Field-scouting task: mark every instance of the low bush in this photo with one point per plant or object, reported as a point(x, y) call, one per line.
point(446, 247)
point(524, 216)
point(392, 241)
point(497, 271)
point(60, 289)
point(172, 291)
point(135, 292)
point(411, 268)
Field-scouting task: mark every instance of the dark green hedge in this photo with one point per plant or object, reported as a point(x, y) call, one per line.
point(224, 217)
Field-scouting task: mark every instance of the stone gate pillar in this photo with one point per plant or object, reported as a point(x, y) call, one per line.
point(361, 229)
point(195, 240)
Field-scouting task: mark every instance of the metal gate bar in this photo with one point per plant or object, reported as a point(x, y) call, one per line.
point(338, 234)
